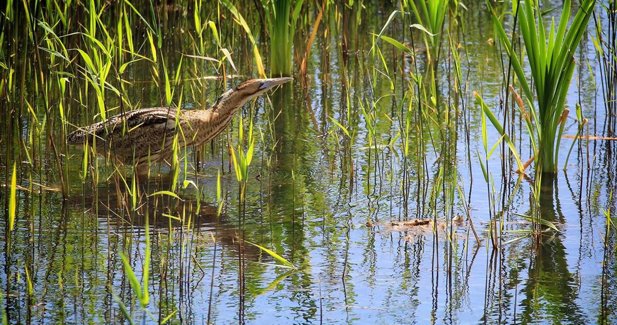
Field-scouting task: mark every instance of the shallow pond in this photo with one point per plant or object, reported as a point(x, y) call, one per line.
point(348, 158)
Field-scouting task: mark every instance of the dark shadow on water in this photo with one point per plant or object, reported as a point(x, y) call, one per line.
point(551, 291)
point(112, 204)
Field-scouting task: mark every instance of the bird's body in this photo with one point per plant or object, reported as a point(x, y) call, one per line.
point(147, 135)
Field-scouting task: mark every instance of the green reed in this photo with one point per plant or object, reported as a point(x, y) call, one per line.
point(496, 213)
point(220, 200)
point(605, 42)
point(551, 62)
point(98, 62)
point(12, 199)
point(242, 159)
point(123, 310)
point(426, 115)
point(431, 16)
point(283, 261)
point(141, 290)
point(240, 20)
point(581, 122)
point(369, 116)
point(539, 223)
point(281, 18)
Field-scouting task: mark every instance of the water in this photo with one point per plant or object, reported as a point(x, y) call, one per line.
point(323, 201)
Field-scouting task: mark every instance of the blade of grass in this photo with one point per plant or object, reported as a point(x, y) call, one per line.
point(279, 258)
point(13, 198)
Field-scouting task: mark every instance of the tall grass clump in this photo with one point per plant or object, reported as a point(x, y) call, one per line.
point(551, 63)
point(281, 17)
point(431, 16)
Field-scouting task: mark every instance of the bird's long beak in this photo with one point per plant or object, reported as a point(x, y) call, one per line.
point(269, 83)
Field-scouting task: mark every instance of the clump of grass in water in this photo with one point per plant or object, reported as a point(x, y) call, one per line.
point(141, 291)
point(552, 65)
point(281, 20)
point(241, 159)
point(431, 16)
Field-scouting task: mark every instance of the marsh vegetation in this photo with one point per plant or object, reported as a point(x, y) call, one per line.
point(432, 162)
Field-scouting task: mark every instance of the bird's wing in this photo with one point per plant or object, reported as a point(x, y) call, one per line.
point(146, 122)
point(150, 120)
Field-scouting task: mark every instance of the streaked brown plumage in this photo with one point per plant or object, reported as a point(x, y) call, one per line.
point(147, 134)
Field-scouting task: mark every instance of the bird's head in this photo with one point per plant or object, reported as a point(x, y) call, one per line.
point(247, 90)
point(255, 87)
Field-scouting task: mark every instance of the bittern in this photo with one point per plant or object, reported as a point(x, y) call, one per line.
point(147, 135)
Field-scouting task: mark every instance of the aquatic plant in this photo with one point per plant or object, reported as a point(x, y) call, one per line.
point(431, 16)
point(283, 262)
point(605, 43)
point(140, 290)
point(240, 19)
point(12, 199)
point(241, 159)
point(281, 18)
point(551, 61)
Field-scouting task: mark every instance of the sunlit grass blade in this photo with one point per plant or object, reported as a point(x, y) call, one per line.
point(169, 317)
point(340, 126)
point(240, 20)
point(167, 193)
point(125, 311)
point(493, 119)
point(13, 198)
point(274, 255)
point(236, 164)
point(130, 274)
point(431, 15)
point(166, 215)
point(385, 26)
point(219, 193)
point(145, 295)
point(133, 192)
point(29, 283)
point(141, 291)
point(397, 44)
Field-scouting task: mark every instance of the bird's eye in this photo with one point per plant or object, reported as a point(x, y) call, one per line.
point(263, 86)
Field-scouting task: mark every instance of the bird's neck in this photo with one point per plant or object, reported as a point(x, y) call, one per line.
point(228, 103)
point(206, 124)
